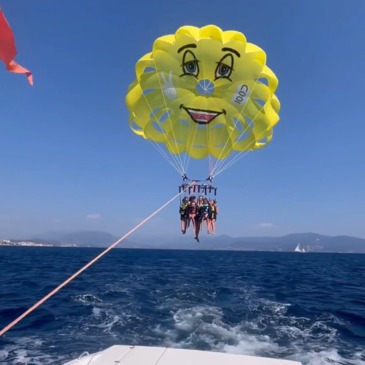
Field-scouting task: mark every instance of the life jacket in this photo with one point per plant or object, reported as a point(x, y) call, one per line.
point(212, 212)
point(183, 208)
point(204, 208)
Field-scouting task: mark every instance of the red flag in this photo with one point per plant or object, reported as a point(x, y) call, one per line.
point(8, 49)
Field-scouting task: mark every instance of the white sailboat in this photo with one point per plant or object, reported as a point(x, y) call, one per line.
point(301, 248)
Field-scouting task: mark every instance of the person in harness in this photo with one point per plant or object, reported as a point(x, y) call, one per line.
point(183, 210)
point(212, 216)
point(203, 214)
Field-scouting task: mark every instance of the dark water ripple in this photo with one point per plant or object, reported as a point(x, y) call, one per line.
point(305, 307)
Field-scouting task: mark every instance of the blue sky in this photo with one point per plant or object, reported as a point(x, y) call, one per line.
point(68, 160)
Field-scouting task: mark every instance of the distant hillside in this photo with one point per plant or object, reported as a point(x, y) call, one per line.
point(81, 239)
point(313, 241)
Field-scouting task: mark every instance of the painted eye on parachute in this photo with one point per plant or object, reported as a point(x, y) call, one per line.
point(225, 67)
point(190, 64)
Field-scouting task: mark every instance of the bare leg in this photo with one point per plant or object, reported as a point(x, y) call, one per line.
point(213, 226)
point(184, 222)
point(209, 225)
point(198, 223)
point(192, 219)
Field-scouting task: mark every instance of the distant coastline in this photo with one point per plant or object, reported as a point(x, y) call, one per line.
point(312, 242)
point(33, 244)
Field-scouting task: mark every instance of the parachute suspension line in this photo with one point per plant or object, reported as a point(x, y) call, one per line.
point(221, 161)
point(167, 85)
point(221, 164)
point(234, 159)
point(187, 157)
point(169, 160)
point(195, 128)
point(190, 146)
point(174, 160)
point(209, 134)
point(186, 162)
point(231, 162)
point(240, 154)
point(72, 277)
point(211, 167)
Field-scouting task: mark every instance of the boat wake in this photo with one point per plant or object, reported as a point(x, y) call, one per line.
point(201, 310)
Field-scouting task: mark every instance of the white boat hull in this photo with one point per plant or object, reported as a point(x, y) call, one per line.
point(142, 355)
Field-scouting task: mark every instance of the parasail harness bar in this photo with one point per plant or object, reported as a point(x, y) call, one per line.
point(203, 187)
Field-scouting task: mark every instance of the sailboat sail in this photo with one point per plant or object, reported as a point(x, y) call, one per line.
point(300, 248)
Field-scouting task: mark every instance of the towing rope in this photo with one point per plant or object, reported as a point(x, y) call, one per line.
point(72, 277)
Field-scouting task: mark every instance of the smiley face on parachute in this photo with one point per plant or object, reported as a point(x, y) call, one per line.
point(204, 91)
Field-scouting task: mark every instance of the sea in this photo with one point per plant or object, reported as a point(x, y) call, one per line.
point(306, 307)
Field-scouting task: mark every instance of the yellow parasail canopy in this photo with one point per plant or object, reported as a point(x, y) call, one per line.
point(204, 92)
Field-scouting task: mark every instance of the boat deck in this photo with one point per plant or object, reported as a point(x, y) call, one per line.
point(142, 355)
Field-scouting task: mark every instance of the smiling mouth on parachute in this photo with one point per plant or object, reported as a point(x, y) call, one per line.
point(201, 116)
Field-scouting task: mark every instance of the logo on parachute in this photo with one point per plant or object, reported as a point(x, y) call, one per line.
point(241, 95)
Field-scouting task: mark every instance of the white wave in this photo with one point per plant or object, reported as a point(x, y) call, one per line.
point(191, 318)
point(103, 315)
point(96, 312)
point(267, 330)
point(88, 299)
point(204, 327)
point(252, 345)
point(4, 354)
point(27, 350)
point(331, 356)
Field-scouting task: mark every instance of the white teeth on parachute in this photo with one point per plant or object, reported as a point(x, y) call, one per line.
point(202, 116)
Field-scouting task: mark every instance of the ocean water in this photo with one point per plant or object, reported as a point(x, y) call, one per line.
point(304, 307)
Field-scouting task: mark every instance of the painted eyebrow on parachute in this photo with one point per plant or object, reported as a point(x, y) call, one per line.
point(192, 45)
point(231, 50)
